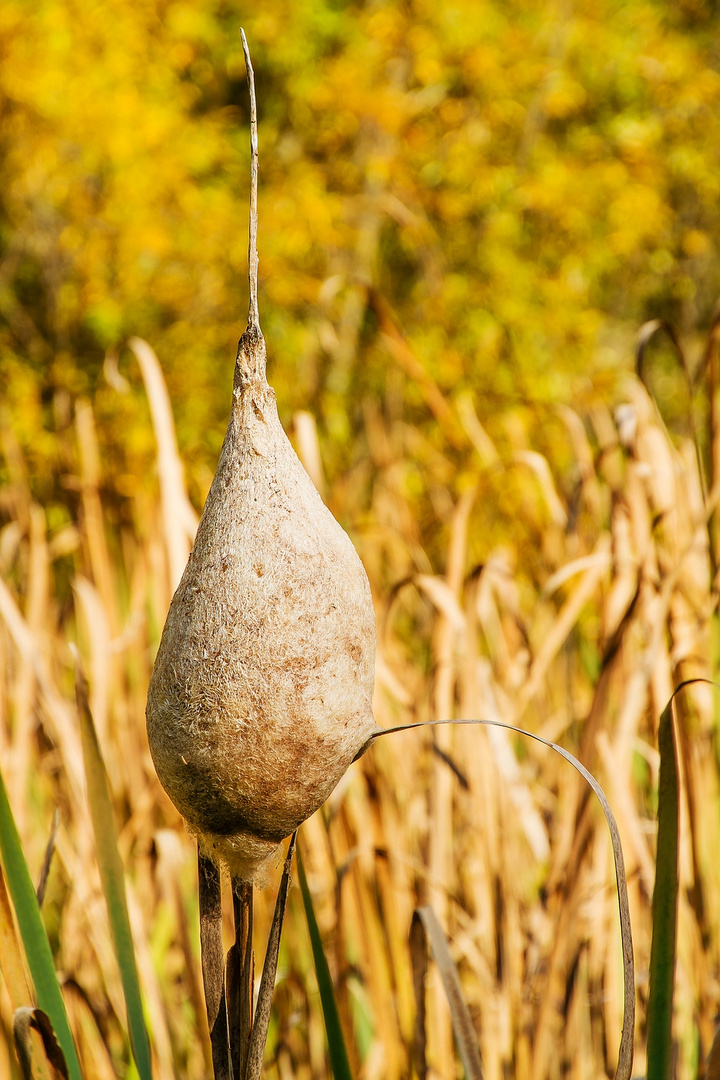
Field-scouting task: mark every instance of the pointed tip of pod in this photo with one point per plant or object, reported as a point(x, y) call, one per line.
point(251, 359)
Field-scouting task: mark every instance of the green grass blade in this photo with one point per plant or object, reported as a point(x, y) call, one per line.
point(339, 1061)
point(112, 876)
point(664, 908)
point(32, 931)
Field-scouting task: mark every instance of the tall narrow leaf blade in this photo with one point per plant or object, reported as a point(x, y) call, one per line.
point(664, 908)
point(339, 1061)
point(112, 876)
point(32, 931)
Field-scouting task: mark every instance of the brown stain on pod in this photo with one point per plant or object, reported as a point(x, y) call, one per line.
point(261, 693)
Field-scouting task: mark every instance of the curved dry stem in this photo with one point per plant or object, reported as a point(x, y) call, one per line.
point(627, 1041)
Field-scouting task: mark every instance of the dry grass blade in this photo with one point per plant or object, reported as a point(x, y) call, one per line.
point(647, 332)
point(211, 947)
point(179, 518)
point(261, 1021)
point(626, 1051)
point(709, 369)
point(462, 1023)
point(712, 1071)
point(405, 358)
point(30, 1028)
point(12, 965)
point(419, 958)
point(47, 860)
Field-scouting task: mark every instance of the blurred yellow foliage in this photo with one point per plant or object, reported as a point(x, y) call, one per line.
point(561, 163)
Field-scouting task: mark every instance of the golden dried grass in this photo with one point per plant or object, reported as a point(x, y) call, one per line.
point(581, 639)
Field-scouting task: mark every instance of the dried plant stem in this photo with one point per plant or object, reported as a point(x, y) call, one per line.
point(211, 948)
point(241, 977)
point(267, 983)
point(419, 959)
point(47, 861)
point(253, 314)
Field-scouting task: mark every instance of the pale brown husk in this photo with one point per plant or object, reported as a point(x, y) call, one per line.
point(261, 694)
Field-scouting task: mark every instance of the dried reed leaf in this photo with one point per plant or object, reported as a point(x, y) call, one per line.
point(396, 344)
point(622, 796)
point(54, 707)
point(308, 446)
point(521, 798)
point(645, 335)
point(419, 958)
point(585, 562)
point(441, 837)
point(12, 958)
point(90, 470)
point(52, 1063)
point(540, 467)
point(475, 431)
point(462, 1024)
point(562, 625)
point(96, 632)
point(47, 860)
point(179, 518)
point(444, 599)
point(712, 1069)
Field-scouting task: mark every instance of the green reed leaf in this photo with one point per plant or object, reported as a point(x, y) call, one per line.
point(112, 876)
point(32, 931)
point(337, 1050)
point(664, 908)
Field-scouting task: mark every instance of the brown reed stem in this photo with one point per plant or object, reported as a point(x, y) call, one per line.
point(211, 950)
point(241, 977)
point(267, 983)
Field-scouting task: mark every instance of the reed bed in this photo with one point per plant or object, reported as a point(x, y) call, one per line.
point(559, 575)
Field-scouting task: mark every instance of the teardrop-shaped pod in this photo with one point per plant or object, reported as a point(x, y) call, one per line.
point(261, 693)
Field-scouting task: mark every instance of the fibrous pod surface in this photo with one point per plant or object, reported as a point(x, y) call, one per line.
point(261, 693)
